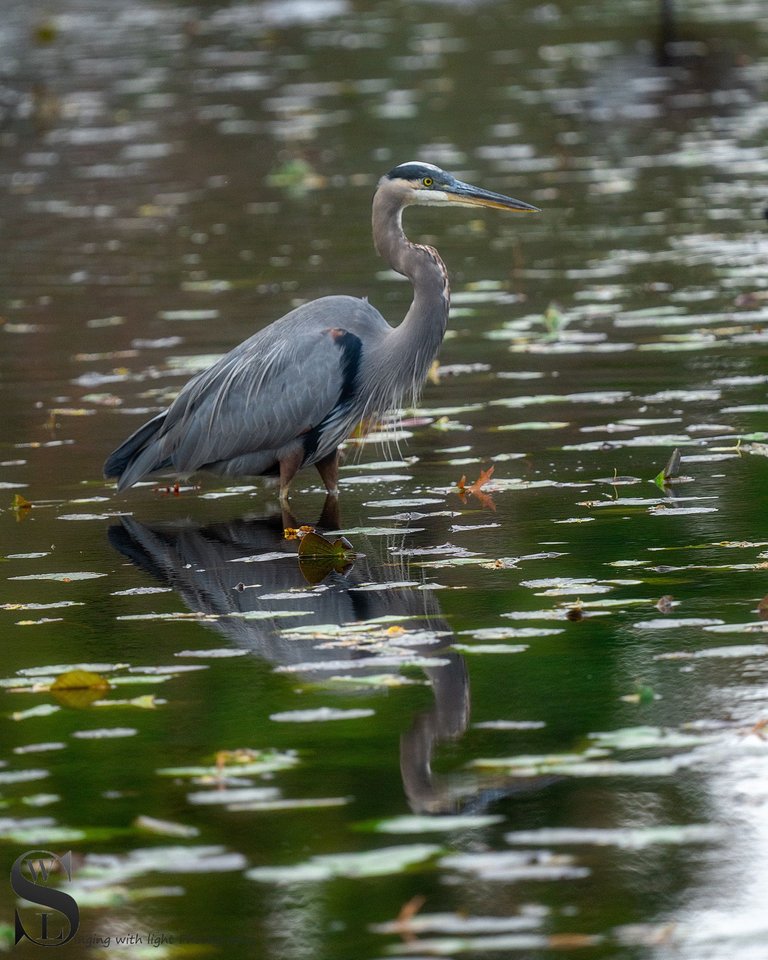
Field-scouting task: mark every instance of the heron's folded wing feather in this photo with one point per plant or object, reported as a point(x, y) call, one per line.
point(261, 396)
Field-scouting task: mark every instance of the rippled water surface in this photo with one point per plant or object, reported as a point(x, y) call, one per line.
point(530, 719)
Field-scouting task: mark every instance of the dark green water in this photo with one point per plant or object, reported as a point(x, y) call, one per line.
point(527, 723)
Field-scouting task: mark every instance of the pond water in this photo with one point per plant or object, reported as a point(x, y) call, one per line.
point(530, 718)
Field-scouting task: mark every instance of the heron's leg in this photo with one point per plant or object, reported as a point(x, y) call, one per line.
point(328, 468)
point(289, 520)
point(289, 467)
point(329, 519)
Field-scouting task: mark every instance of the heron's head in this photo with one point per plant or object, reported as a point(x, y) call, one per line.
point(425, 184)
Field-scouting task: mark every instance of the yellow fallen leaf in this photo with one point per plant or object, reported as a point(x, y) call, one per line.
point(21, 503)
point(80, 680)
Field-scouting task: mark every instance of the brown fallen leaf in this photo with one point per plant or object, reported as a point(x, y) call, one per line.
point(664, 604)
point(296, 533)
point(407, 912)
point(567, 941)
point(759, 728)
point(762, 608)
point(476, 488)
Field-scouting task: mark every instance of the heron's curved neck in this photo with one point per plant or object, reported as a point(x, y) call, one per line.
point(428, 314)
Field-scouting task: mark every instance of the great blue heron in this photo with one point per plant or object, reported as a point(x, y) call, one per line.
point(290, 394)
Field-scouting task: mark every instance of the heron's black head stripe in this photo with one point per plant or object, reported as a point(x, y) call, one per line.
point(414, 170)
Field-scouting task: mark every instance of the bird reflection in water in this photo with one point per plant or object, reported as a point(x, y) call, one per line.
point(212, 568)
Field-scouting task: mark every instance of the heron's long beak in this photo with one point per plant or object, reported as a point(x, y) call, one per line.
point(466, 194)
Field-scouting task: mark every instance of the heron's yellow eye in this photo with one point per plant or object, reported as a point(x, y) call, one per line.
point(427, 181)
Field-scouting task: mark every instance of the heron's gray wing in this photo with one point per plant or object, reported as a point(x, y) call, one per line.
point(276, 386)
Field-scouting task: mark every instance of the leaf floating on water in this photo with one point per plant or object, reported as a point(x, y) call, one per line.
point(140, 591)
point(40, 799)
point(318, 556)
point(79, 688)
point(455, 923)
point(42, 620)
point(243, 761)
point(377, 680)
point(648, 738)
point(510, 725)
point(105, 733)
point(314, 546)
point(39, 747)
point(555, 321)
point(164, 828)
point(668, 510)
point(671, 471)
point(475, 488)
point(22, 776)
point(224, 796)
point(61, 577)
point(760, 449)
point(625, 838)
point(368, 863)
point(41, 710)
point(219, 653)
point(534, 425)
point(58, 668)
point(80, 680)
point(643, 695)
point(320, 715)
point(665, 604)
point(565, 586)
point(180, 859)
point(21, 506)
point(287, 804)
point(144, 702)
point(431, 824)
point(511, 866)
point(507, 633)
point(363, 663)
point(490, 647)
point(296, 533)
point(669, 623)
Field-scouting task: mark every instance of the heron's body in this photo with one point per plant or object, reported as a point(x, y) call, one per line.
point(293, 392)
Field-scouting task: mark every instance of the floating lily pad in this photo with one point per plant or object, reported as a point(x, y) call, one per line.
point(286, 804)
point(165, 828)
point(369, 863)
point(434, 824)
point(223, 796)
point(320, 715)
point(61, 577)
point(105, 733)
point(493, 648)
point(625, 838)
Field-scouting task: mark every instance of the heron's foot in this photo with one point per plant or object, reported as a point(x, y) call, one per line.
point(170, 490)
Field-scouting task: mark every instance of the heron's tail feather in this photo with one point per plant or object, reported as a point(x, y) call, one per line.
point(136, 457)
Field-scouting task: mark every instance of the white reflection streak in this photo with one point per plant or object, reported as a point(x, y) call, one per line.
point(727, 915)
